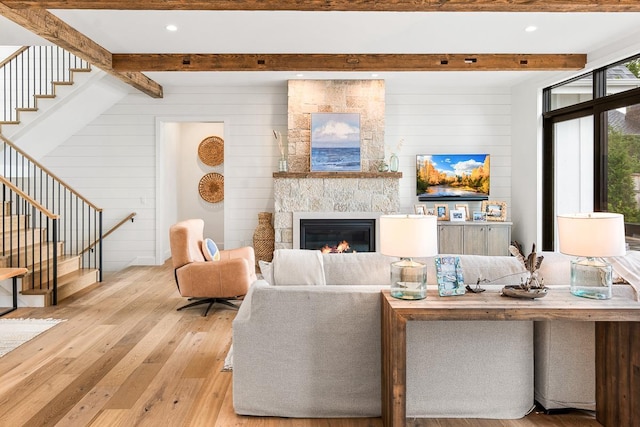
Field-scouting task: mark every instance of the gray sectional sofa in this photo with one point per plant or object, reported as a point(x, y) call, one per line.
point(307, 344)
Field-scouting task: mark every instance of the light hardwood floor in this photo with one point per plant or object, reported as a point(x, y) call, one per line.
point(126, 357)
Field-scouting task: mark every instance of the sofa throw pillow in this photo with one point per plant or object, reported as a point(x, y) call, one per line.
point(210, 250)
point(266, 268)
point(297, 267)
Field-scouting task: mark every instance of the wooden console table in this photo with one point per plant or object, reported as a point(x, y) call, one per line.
point(12, 273)
point(617, 343)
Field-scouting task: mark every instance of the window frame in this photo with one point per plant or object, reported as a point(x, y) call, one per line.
point(596, 107)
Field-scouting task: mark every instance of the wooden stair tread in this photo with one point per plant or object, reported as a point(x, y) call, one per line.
point(66, 280)
point(61, 260)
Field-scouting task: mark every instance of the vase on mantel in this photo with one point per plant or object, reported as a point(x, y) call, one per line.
point(282, 165)
point(394, 163)
point(264, 238)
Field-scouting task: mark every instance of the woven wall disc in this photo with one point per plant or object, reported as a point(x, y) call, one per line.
point(211, 187)
point(211, 150)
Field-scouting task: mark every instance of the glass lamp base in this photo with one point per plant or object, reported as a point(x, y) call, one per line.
point(408, 279)
point(591, 278)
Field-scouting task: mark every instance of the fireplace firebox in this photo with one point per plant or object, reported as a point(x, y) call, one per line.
point(330, 235)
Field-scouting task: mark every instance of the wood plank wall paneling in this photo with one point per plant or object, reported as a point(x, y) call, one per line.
point(435, 120)
point(112, 160)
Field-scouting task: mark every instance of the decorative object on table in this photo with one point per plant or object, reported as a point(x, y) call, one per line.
point(477, 289)
point(282, 162)
point(530, 287)
point(590, 237)
point(407, 237)
point(264, 238)
point(449, 276)
point(479, 217)
point(441, 211)
point(335, 142)
point(464, 207)
point(211, 187)
point(211, 151)
point(420, 209)
point(458, 215)
point(495, 211)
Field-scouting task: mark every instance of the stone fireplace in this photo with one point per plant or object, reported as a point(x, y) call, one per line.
point(357, 195)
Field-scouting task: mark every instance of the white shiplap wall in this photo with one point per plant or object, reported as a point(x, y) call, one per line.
point(435, 120)
point(112, 161)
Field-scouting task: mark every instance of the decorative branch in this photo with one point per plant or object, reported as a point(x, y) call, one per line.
point(278, 137)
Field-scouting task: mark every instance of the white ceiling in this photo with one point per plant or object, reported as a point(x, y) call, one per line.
point(340, 32)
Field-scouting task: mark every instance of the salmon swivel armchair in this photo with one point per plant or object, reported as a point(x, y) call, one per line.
point(208, 282)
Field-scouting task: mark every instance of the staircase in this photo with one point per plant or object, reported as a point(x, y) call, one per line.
point(32, 74)
point(47, 227)
point(53, 247)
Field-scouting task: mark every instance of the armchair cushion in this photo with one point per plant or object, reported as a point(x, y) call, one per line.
point(210, 250)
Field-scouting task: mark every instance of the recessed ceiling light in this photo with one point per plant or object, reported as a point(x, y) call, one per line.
point(374, 75)
point(299, 75)
point(171, 27)
point(531, 28)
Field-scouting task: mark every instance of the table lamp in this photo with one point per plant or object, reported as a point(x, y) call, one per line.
point(406, 237)
point(591, 236)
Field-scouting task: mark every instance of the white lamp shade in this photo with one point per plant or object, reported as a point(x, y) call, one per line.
point(596, 234)
point(409, 236)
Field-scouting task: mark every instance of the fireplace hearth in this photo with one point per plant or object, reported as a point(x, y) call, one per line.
point(334, 235)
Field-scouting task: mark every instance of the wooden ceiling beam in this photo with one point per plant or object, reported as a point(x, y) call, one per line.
point(348, 62)
point(51, 28)
point(343, 5)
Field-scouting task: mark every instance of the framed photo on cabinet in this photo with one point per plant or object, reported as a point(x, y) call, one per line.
point(466, 210)
point(495, 211)
point(441, 211)
point(458, 215)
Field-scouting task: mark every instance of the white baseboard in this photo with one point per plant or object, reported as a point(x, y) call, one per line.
point(143, 260)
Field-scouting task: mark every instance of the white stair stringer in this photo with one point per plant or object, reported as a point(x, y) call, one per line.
point(59, 118)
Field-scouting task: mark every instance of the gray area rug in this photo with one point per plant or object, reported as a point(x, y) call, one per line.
point(15, 332)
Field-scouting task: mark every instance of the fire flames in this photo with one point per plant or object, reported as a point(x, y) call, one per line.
point(341, 247)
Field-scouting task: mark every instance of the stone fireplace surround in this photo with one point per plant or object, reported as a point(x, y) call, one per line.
point(366, 194)
point(359, 195)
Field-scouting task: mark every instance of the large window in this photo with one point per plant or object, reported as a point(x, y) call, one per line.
point(591, 154)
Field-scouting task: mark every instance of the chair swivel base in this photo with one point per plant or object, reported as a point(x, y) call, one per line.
point(210, 301)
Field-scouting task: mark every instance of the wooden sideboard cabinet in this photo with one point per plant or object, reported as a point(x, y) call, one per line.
point(474, 238)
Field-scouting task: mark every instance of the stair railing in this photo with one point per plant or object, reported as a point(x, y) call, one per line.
point(80, 221)
point(111, 230)
point(30, 239)
point(30, 72)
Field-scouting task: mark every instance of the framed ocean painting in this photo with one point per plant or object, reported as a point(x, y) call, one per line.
point(335, 142)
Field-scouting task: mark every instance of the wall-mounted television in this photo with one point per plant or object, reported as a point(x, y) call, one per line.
point(448, 177)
